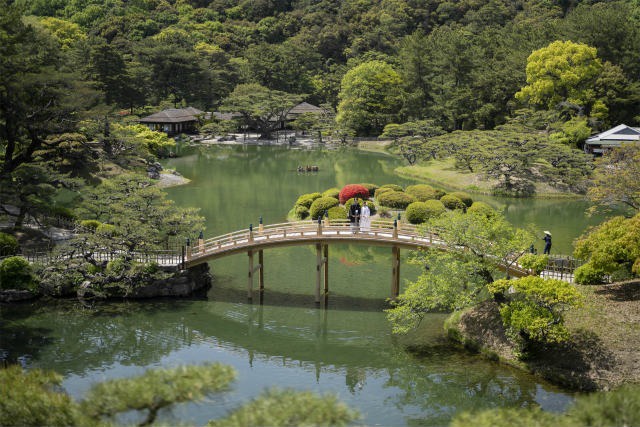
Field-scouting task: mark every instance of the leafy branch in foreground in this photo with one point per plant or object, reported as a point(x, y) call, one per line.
point(156, 389)
point(34, 398)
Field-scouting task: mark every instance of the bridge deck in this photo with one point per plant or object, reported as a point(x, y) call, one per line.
point(381, 233)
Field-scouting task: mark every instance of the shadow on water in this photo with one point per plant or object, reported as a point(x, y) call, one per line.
point(275, 298)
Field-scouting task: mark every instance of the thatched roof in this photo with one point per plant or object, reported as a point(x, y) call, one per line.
point(305, 107)
point(174, 115)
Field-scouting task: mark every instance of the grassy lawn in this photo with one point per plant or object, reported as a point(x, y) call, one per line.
point(443, 172)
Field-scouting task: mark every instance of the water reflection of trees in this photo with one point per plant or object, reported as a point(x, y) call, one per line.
point(443, 383)
point(438, 379)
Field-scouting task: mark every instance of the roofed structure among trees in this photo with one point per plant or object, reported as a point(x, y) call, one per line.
point(174, 120)
point(598, 144)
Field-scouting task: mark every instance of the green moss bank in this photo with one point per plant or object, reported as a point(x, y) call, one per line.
point(604, 350)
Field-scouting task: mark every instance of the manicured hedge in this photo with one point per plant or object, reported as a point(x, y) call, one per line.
point(322, 204)
point(394, 187)
point(90, 224)
point(307, 199)
point(371, 187)
point(481, 208)
point(15, 273)
point(382, 190)
point(424, 192)
point(332, 192)
point(395, 199)
point(466, 198)
point(337, 212)
point(419, 212)
point(452, 202)
point(8, 244)
point(353, 190)
point(301, 212)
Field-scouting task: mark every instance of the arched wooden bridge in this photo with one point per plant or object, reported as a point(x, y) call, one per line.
point(382, 233)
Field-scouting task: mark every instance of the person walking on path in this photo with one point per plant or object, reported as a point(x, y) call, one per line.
point(365, 217)
point(547, 242)
point(354, 215)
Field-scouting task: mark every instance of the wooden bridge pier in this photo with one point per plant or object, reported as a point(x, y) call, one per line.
point(322, 258)
point(395, 272)
point(252, 269)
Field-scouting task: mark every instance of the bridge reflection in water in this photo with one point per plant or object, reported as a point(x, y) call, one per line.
point(391, 234)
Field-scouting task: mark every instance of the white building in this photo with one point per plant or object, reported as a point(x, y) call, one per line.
point(598, 144)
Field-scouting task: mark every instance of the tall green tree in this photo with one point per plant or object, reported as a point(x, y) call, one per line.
point(563, 72)
point(370, 97)
point(40, 96)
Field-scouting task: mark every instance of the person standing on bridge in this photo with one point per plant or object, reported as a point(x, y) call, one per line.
point(547, 242)
point(354, 215)
point(365, 217)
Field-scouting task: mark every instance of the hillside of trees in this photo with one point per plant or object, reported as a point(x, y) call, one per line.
point(458, 63)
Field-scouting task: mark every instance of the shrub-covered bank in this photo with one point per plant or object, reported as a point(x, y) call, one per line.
point(603, 351)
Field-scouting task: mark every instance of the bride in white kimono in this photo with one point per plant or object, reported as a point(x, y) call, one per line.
point(365, 218)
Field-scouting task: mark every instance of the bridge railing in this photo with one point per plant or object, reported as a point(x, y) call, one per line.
point(380, 229)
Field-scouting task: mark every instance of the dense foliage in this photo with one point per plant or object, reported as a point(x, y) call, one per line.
point(533, 306)
point(612, 248)
point(16, 273)
point(477, 246)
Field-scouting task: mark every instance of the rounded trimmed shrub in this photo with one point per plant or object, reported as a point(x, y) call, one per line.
point(15, 273)
point(419, 212)
point(465, 197)
point(416, 213)
point(371, 187)
point(322, 204)
point(587, 274)
point(301, 212)
point(353, 190)
point(106, 229)
point(332, 192)
point(481, 208)
point(8, 244)
point(90, 224)
point(337, 212)
point(424, 192)
point(435, 208)
point(382, 190)
point(396, 199)
point(394, 187)
point(452, 202)
point(307, 199)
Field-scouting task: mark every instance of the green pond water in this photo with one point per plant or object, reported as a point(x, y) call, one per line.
point(346, 349)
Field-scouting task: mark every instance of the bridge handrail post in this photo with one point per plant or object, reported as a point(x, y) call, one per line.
point(201, 243)
point(188, 250)
point(260, 226)
point(319, 225)
point(395, 228)
point(250, 232)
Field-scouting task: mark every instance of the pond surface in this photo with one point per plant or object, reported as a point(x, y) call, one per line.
point(286, 342)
